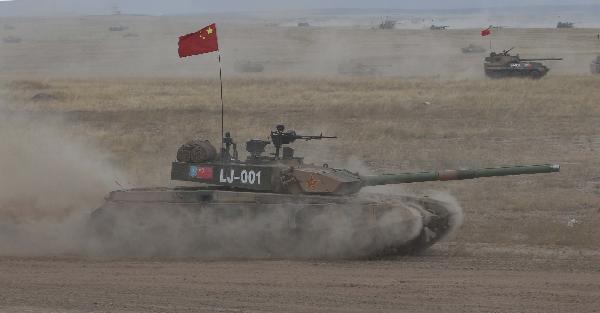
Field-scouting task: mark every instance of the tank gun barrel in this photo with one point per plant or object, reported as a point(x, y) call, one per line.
point(405, 178)
point(543, 59)
point(319, 137)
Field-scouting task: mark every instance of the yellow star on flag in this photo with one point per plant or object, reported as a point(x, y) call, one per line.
point(209, 31)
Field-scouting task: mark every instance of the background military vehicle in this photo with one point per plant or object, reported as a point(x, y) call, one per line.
point(387, 24)
point(119, 28)
point(438, 27)
point(564, 25)
point(246, 66)
point(595, 65)
point(498, 65)
point(281, 206)
point(471, 48)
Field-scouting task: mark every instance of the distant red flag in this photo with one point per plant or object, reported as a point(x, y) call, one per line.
point(486, 31)
point(202, 41)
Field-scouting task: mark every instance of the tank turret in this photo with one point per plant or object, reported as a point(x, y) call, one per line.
point(498, 65)
point(283, 172)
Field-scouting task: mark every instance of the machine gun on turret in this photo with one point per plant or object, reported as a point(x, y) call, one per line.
point(280, 137)
point(505, 52)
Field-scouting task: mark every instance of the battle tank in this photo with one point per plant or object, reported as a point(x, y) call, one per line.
point(278, 206)
point(564, 25)
point(438, 27)
point(498, 65)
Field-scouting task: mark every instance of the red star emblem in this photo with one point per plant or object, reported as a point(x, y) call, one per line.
point(312, 183)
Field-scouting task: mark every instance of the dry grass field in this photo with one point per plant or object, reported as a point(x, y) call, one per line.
point(130, 101)
point(391, 125)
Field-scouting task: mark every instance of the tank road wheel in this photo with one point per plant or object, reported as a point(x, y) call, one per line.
point(535, 74)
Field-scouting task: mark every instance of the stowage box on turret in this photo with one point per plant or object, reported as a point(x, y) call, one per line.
point(498, 65)
point(298, 206)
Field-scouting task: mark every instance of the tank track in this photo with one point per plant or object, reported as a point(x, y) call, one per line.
point(207, 223)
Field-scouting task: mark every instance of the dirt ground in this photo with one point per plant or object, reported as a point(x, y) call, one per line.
point(437, 282)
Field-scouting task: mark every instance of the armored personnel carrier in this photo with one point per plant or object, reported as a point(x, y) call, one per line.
point(595, 65)
point(498, 65)
point(276, 205)
point(471, 48)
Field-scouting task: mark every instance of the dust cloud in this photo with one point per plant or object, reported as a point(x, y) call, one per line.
point(50, 181)
point(285, 230)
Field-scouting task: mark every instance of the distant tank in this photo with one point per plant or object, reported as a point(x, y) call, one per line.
point(248, 67)
point(303, 24)
point(595, 66)
point(564, 25)
point(498, 65)
point(471, 48)
point(118, 28)
point(387, 24)
point(438, 27)
point(279, 205)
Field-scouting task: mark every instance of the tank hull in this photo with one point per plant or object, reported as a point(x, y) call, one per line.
point(210, 223)
point(522, 71)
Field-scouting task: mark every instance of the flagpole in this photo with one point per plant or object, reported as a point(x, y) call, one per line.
point(222, 106)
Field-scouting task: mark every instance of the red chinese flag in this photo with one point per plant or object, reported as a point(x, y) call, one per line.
point(202, 41)
point(205, 172)
point(486, 32)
